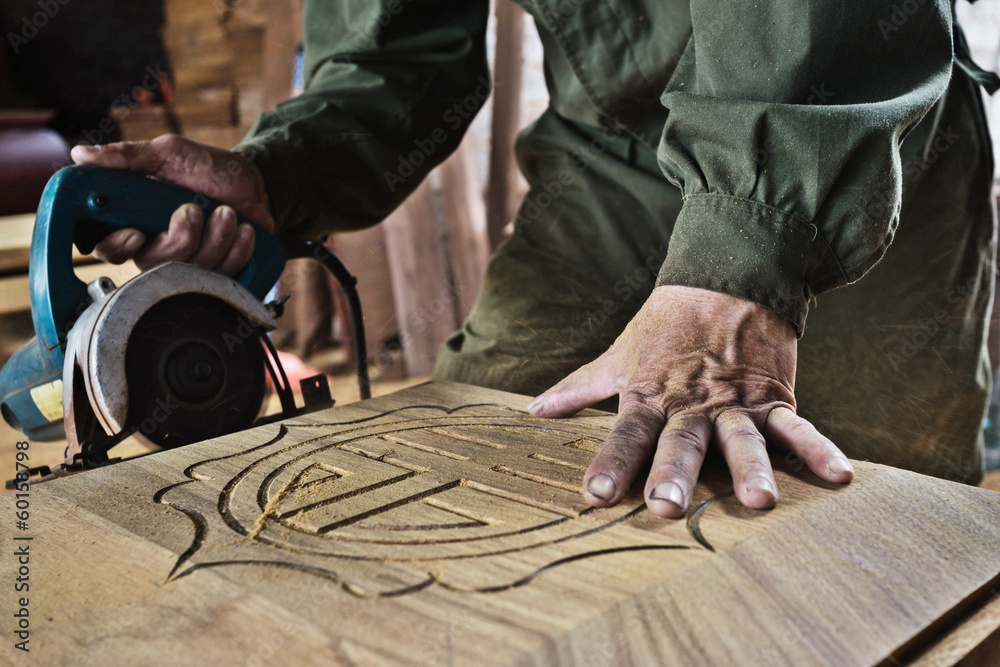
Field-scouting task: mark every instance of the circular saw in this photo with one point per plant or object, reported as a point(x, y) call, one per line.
point(178, 354)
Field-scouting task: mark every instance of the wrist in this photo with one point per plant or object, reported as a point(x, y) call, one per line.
point(717, 309)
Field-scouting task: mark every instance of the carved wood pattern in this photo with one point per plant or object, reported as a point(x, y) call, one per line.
point(476, 482)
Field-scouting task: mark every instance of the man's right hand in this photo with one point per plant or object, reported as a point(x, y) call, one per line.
point(219, 243)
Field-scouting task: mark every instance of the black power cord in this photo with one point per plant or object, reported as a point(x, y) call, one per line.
point(348, 285)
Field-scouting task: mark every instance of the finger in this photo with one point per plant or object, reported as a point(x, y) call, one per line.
point(680, 452)
point(143, 157)
point(240, 252)
point(119, 246)
point(824, 458)
point(745, 452)
point(582, 388)
point(626, 450)
point(178, 244)
point(216, 239)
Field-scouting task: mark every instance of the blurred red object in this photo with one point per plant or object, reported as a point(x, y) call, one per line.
point(30, 153)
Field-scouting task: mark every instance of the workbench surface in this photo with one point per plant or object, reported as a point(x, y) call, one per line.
point(442, 525)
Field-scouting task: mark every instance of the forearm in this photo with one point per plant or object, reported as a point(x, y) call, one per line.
point(390, 89)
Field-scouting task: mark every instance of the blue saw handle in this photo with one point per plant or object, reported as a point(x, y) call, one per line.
point(114, 199)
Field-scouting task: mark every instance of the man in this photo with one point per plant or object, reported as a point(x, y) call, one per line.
point(771, 171)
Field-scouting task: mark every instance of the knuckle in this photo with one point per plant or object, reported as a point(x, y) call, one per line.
point(107, 255)
point(637, 408)
point(623, 455)
point(187, 241)
point(670, 470)
point(747, 435)
point(686, 439)
point(170, 142)
point(643, 390)
point(631, 431)
point(246, 250)
point(801, 428)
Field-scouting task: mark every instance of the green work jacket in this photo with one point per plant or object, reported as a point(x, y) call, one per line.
point(781, 120)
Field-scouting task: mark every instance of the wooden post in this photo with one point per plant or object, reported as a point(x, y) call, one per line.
point(500, 204)
point(418, 264)
point(364, 252)
point(468, 236)
point(282, 39)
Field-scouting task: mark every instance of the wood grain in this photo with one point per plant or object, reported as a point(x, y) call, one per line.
point(974, 641)
point(465, 213)
point(443, 526)
point(365, 252)
point(421, 281)
point(501, 195)
point(15, 244)
point(15, 291)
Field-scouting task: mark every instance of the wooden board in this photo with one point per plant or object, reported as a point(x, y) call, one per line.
point(15, 291)
point(15, 244)
point(443, 526)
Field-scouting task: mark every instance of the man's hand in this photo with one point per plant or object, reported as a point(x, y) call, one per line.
point(220, 243)
point(694, 367)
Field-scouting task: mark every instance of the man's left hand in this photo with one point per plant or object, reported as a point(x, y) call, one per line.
point(692, 368)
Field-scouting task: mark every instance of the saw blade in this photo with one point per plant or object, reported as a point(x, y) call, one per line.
point(194, 369)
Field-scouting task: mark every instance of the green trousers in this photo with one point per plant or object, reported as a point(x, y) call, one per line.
point(892, 368)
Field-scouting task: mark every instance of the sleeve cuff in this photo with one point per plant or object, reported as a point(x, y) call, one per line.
point(286, 186)
point(749, 250)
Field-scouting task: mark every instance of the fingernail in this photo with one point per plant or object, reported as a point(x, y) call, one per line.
point(534, 403)
point(601, 486)
point(840, 465)
point(668, 491)
point(194, 215)
point(86, 149)
point(226, 214)
point(133, 241)
point(244, 232)
point(763, 484)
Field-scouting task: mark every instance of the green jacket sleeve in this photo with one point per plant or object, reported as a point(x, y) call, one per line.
point(784, 125)
point(391, 86)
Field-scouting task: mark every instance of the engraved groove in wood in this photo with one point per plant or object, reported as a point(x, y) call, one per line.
point(423, 491)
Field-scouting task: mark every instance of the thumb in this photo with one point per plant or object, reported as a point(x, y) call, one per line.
point(582, 388)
